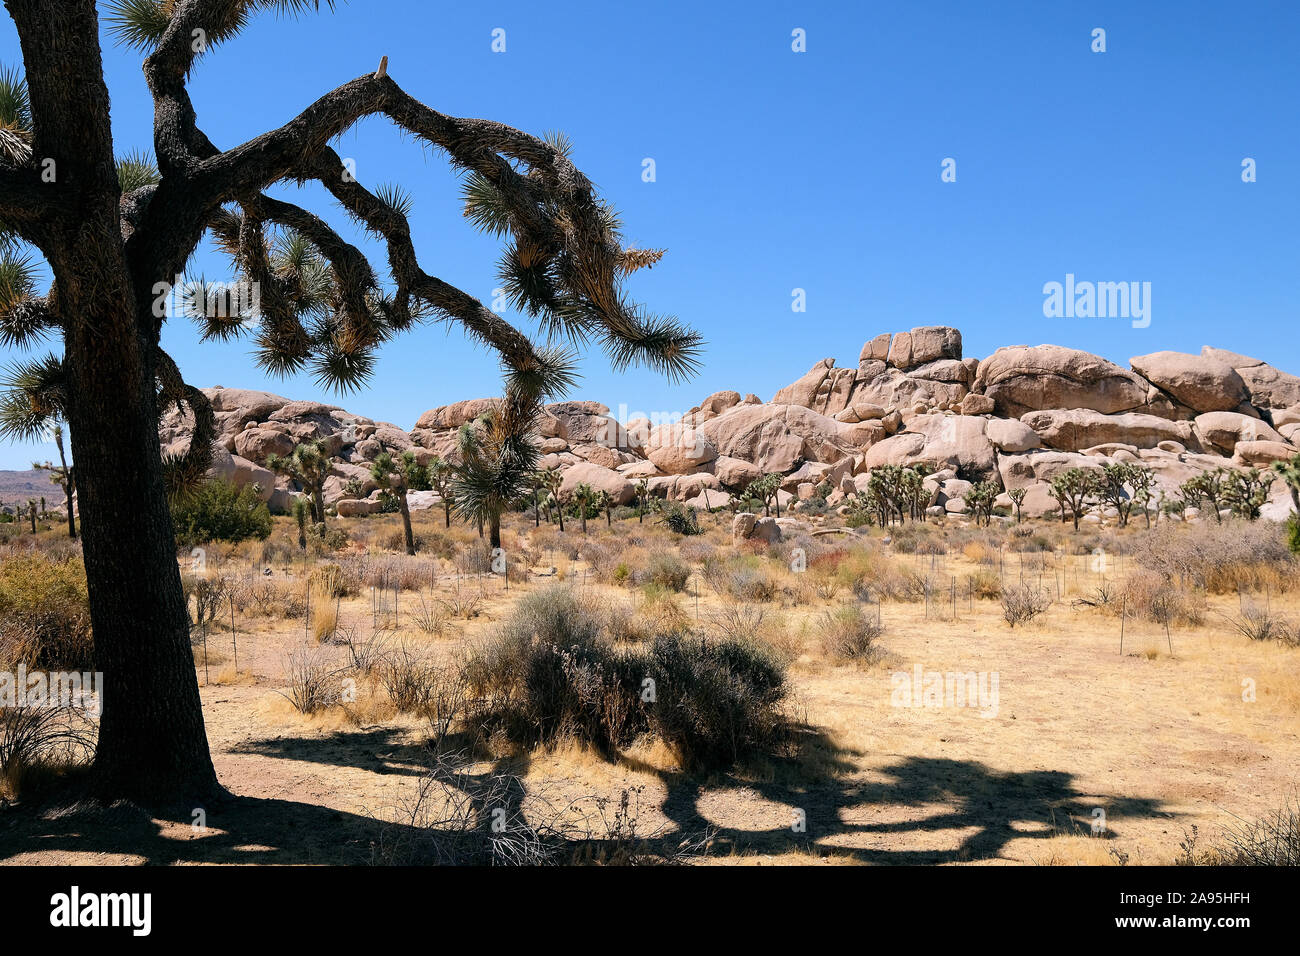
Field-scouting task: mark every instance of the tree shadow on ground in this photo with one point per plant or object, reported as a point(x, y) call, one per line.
point(918, 810)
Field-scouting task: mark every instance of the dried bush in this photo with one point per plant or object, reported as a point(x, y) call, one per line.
point(1023, 602)
point(849, 634)
point(36, 739)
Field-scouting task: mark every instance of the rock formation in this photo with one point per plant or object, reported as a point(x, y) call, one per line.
point(1016, 418)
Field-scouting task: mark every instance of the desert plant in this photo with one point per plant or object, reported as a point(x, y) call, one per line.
point(849, 633)
point(44, 613)
point(399, 475)
point(219, 510)
point(1023, 602)
point(1017, 496)
point(309, 465)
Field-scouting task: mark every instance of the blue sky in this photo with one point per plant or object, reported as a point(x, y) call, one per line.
point(819, 170)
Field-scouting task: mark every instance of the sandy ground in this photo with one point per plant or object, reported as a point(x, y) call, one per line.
point(1146, 742)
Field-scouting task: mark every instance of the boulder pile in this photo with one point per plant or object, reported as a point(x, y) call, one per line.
point(1016, 418)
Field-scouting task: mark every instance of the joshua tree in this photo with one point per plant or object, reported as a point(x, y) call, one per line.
point(399, 475)
point(441, 478)
point(1246, 492)
point(553, 482)
point(536, 482)
point(114, 234)
point(766, 489)
point(301, 517)
point(1143, 482)
point(583, 496)
point(1073, 490)
point(1209, 486)
point(980, 500)
point(1017, 496)
point(1289, 472)
point(641, 489)
point(31, 513)
point(308, 465)
point(60, 474)
point(605, 503)
point(1112, 488)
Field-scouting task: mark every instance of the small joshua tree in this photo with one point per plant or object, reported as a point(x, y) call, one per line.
point(605, 502)
point(61, 475)
point(302, 517)
point(1289, 472)
point(642, 490)
point(583, 496)
point(1017, 496)
point(308, 465)
point(1073, 490)
point(399, 475)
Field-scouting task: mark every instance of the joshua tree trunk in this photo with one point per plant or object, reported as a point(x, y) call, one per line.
point(152, 741)
point(31, 514)
point(405, 509)
point(494, 531)
point(318, 503)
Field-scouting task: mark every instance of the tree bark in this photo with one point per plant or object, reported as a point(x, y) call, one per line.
point(405, 508)
point(152, 741)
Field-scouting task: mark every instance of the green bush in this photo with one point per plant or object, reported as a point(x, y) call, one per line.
point(716, 701)
point(1293, 534)
point(220, 511)
point(666, 570)
point(44, 614)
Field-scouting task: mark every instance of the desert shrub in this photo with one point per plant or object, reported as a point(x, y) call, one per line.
point(849, 634)
point(697, 551)
point(549, 672)
point(680, 520)
point(219, 510)
point(984, 583)
point(1146, 594)
point(1023, 602)
point(1261, 624)
point(410, 677)
point(1293, 534)
point(661, 612)
point(314, 682)
point(1220, 558)
point(44, 613)
point(716, 702)
point(329, 580)
point(39, 739)
point(666, 570)
point(1272, 840)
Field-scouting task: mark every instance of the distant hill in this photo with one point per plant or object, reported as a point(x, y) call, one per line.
point(17, 486)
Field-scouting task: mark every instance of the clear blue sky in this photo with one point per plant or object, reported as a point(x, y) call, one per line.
point(817, 170)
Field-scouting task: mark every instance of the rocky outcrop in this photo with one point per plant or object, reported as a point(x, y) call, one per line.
point(1017, 418)
point(1022, 378)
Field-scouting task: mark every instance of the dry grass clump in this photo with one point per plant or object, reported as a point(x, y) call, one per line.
point(984, 583)
point(1145, 594)
point(849, 633)
point(39, 742)
point(744, 578)
point(44, 613)
point(1261, 624)
point(315, 683)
